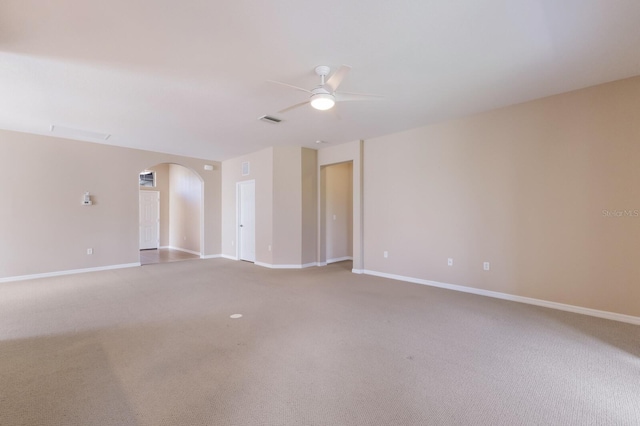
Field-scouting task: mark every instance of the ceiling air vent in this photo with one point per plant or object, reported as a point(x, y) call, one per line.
point(269, 119)
point(71, 133)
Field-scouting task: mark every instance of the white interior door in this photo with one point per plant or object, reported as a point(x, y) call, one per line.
point(247, 220)
point(149, 220)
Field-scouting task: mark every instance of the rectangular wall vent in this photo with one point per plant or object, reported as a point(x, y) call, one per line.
point(269, 119)
point(245, 168)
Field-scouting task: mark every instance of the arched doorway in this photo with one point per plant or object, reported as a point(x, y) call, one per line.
point(171, 214)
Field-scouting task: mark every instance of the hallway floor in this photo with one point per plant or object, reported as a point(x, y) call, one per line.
point(164, 255)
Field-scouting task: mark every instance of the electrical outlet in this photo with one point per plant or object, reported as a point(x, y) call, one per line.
point(89, 251)
point(385, 254)
point(450, 261)
point(486, 266)
point(269, 247)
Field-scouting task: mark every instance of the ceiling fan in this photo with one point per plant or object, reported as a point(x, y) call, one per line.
point(324, 96)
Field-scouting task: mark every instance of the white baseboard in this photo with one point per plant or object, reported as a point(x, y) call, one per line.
point(68, 272)
point(321, 263)
point(358, 271)
point(284, 266)
point(339, 259)
point(505, 296)
point(226, 256)
point(210, 256)
point(197, 253)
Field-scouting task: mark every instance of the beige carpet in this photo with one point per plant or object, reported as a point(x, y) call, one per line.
point(321, 346)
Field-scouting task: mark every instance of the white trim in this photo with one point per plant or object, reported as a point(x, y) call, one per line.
point(184, 250)
point(321, 263)
point(339, 259)
point(270, 266)
point(505, 296)
point(68, 272)
point(358, 271)
point(226, 256)
point(211, 256)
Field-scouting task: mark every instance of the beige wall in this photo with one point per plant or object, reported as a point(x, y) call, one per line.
point(44, 227)
point(524, 188)
point(185, 192)
point(338, 211)
point(285, 205)
point(309, 206)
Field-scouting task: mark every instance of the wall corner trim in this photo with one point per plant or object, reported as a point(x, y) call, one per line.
point(359, 271)
point(68, 272)
point(505, 296)
point(226, 256)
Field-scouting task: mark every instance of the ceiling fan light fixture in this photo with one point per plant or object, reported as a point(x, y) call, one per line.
point(323, 101)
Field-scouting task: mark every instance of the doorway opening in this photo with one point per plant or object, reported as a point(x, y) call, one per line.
point(336, 213)
point(171, 211)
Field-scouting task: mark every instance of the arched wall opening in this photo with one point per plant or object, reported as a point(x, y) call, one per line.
point(180, 207)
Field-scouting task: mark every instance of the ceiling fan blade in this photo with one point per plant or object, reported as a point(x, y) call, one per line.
point(349, 96)
point(289, 85)
point(293, 106)
point(335, 80)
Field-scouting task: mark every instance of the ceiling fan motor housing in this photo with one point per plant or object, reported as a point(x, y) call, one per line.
point(323, 70)
point(320, 90)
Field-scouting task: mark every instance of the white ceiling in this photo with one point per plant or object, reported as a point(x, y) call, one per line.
point(189, 77)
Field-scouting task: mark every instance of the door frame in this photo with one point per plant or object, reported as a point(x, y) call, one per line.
point(352, 151)
point(238, 212)
point(323, 216)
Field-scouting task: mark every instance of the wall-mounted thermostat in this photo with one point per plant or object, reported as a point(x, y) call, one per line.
point(86, 200)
